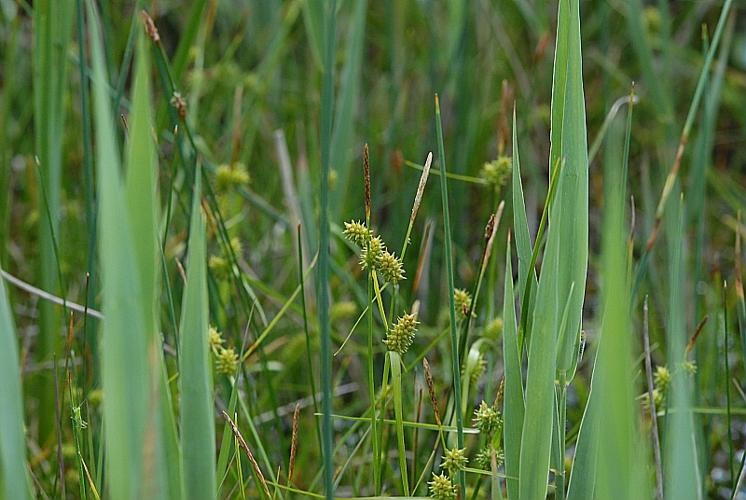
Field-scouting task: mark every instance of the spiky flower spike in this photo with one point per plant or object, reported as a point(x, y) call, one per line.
point(497, 172)
point(487, 419)
point(454, 460)
point(371, 255)
point(358, 233)
point(462, 298)
point(484, 457)
point(401, 335)
point(390, 267)
point(214, 338)
point(662, 378)
point(442, 488)
point(226, 361)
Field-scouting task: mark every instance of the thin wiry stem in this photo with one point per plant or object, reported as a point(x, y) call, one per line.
point(651, 399)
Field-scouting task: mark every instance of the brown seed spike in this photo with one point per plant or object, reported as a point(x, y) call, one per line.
point(431, 389)
point(150, 28)
point(366, 175)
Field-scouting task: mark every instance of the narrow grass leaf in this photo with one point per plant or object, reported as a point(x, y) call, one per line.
point(14, 482)
point(195, 377)
point(125, 351)
point(513, 404)
point(143, 211)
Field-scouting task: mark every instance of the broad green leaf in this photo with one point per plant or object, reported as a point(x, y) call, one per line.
point(513, 404)
point(619, 457)
point(125, 346)
point(583, 474)
point(195, 376)
point(539, 416)
point(681, 471)
point(143, 211)
point(14, 482)
point(569, 144)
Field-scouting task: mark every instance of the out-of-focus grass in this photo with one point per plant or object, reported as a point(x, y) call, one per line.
point(551, 346)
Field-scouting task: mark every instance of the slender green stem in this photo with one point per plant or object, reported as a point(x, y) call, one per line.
point(456, 371)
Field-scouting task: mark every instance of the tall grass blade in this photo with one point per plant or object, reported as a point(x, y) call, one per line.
point(14, 482)
point(346, 104)
point(569, 144)
point(195, 377)
point(513, 404)
point(682, 479)
point(619, 471)
point(125, 343)
point(327, 100)
point(568, 235)
point(520, 223)
point(143, 210)
point(52, 21)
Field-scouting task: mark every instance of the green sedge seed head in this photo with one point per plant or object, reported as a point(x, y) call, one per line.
point(484, 457)
point(690, 367)
point(662, 378)
point(441, 487)
point(487, 419)
point(372, 252)
point(390, 267)
point(214, 338)
point(226, 361)
point(358, 233)
point(231, 176)
point(454, 460)
point(497, 172)
point(401, 335)
point(462, 298)
point(236, 246)
point(493, 329)
point(219, 266)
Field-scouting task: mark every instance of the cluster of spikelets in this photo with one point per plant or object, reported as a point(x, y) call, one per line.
point(225, 358)
point(221, 266)
point(232, 176)
point(374, 255)
point(497, 172)
point(401, 335)
point(662, 378)
point(462, 301)
point(489, 421)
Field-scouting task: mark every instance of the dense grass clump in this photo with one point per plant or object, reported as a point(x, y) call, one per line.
point(464, 249)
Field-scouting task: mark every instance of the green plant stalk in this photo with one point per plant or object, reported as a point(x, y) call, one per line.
point(88, 178)
point(52, 23)
point(396, 382)
point(309, 361)
point(327, 99)
point(455, 368)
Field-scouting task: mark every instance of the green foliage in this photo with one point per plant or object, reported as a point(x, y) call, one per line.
point(180, 265)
